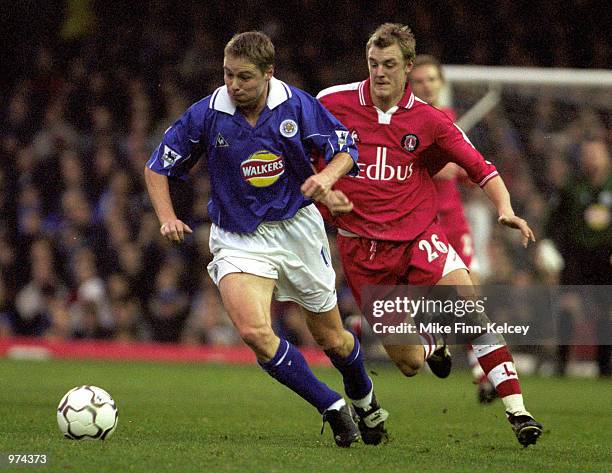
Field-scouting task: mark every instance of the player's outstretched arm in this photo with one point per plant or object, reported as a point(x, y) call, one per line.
point(171, 228)
point(318, 185)
point(498, 194)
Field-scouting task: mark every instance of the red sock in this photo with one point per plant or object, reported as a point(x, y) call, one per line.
point(498, 365)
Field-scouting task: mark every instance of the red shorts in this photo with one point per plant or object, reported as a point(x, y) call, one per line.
point(457, 230)
point(421, 262)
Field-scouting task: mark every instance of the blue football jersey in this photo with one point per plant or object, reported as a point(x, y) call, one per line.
point(255, 172)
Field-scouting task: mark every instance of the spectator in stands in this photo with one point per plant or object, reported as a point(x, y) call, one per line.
point(77, 228)
point(105, 161)
point(7, 195)
point(169, 305)
point(10, 266)
point(56, 133)
point(128, 318)
point(8, 316)
point(72, 171)
point(29, 212)
point(128, 321)
point(60, 321)
point(90, 310)
point(90, 325)
point(208, 322)
point(44, 282)
point(108, 101)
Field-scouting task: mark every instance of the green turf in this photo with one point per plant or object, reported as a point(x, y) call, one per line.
point(207, 418)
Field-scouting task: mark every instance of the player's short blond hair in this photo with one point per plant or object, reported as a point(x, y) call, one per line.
point(255, 46)
point(388, 34)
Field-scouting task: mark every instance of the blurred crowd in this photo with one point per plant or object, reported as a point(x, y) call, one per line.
point(80, 250)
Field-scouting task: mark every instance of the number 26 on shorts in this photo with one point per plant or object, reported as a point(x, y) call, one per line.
point(433, 248)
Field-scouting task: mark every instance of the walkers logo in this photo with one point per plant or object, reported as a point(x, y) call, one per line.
point(381, 171)
point(262, 169)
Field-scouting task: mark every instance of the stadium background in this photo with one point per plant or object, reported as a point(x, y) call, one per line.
point(93, 85)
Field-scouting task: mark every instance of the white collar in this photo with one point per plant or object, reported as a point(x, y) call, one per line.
point(278, 93)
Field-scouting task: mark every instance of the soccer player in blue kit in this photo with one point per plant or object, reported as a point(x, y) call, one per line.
point(267, 238)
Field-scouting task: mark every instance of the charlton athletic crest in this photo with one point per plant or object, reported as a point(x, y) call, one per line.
point(410, 142)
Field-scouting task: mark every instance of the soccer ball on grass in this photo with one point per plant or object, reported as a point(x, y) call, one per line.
point(87, 412)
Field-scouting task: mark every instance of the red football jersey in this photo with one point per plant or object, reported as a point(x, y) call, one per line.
point(450, 113)
point(399, 150)
point(449, 198)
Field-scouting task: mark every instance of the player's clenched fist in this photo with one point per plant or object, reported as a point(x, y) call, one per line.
point(175, 230)
point(317, 186)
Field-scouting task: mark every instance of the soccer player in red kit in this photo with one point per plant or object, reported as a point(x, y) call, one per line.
point(427, 80)
point(392, 236)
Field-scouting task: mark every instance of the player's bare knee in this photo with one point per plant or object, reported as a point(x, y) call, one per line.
point(332, 342)
point(258, 338)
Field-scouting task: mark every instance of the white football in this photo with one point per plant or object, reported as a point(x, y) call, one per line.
point(87, 412)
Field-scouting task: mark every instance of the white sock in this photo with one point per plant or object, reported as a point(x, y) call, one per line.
point(514, 405)
point(364, 403)
point(477, 372)
point(336, 406)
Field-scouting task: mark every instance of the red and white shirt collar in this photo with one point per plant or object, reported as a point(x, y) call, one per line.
point(365, 97)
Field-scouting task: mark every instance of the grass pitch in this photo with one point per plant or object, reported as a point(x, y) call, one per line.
point(207, 418)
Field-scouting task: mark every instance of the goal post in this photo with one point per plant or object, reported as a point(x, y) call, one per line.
point(496, 78)
point(595, 78)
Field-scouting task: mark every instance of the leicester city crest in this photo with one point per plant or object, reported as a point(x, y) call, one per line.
point(288, 128)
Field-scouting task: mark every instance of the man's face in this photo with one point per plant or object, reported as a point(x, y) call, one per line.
point(426, 83)
point(244, 80)
point(388, 72)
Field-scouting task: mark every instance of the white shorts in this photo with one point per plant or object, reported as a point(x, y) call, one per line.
point(295, 252)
